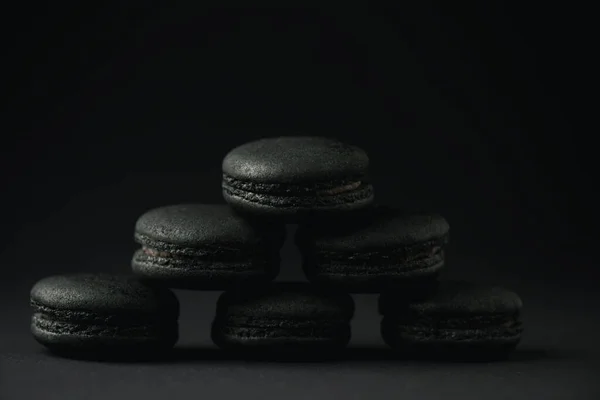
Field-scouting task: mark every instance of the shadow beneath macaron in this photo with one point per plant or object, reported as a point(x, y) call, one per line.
point(536, 354)
point(195, 354)
point(453, 357)
point(387, 355)
point(360, 355)
point(146, 357)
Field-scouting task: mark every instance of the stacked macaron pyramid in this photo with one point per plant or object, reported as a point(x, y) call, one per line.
point(348, 243)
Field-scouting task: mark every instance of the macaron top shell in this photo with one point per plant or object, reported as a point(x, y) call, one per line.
point(465, 298)
point(102, 293)
point(198, 225)
point(295, 159)
point(385, 227)
point(286, 300)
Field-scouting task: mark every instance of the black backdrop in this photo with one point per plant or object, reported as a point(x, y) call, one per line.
point(466, 111)
point(476, 112)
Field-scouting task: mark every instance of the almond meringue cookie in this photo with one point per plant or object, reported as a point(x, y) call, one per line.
point(292, 177)
point(205, 247)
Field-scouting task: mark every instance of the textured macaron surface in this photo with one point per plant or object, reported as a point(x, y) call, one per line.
point(458, 311)
point(205, 246)
point(283, 314)
point(373, 250)
point(102, 293)
point(287, 300)
point(99, 311)
point(461, 319)
point(295, 160)
point(465, 298)
point(291, 177)
point(387, 228)
point(199, 226)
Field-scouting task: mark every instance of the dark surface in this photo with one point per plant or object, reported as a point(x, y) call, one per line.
point(556, 359)
point(480, 113)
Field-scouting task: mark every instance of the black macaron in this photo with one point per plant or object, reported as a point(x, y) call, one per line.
point(105, 315)
point(205, 246)
point(283, 317)
point(294, 176)
point(382, 247)
point(462, 320)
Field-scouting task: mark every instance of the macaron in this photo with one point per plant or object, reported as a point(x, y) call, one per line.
point(102, 314)
point(287, 317)
point(461, 320)
point(205, 246)
point(291, 177)
point(383, 247)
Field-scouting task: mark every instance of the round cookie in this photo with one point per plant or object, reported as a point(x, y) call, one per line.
point(291, 177)
point(205, 246)
point(461, 320)
point(283, 316)
point(382, 248)
point(103, 314)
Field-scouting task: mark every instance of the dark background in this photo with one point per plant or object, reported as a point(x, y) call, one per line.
point(478, 113)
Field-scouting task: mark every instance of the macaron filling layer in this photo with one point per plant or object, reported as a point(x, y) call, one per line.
point(445, 321)
point(61, 327)
point(453, 335)
point(294, 189)
point(155, 248)
point(141, 258)
point(459, 328)
point(340, 189)
point(279, 327)
point(150, 252)
point(85, 323)
point(222, 258)
point(417, 256)
point(284, 195)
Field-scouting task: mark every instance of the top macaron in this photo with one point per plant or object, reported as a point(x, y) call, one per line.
point(293, 176)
